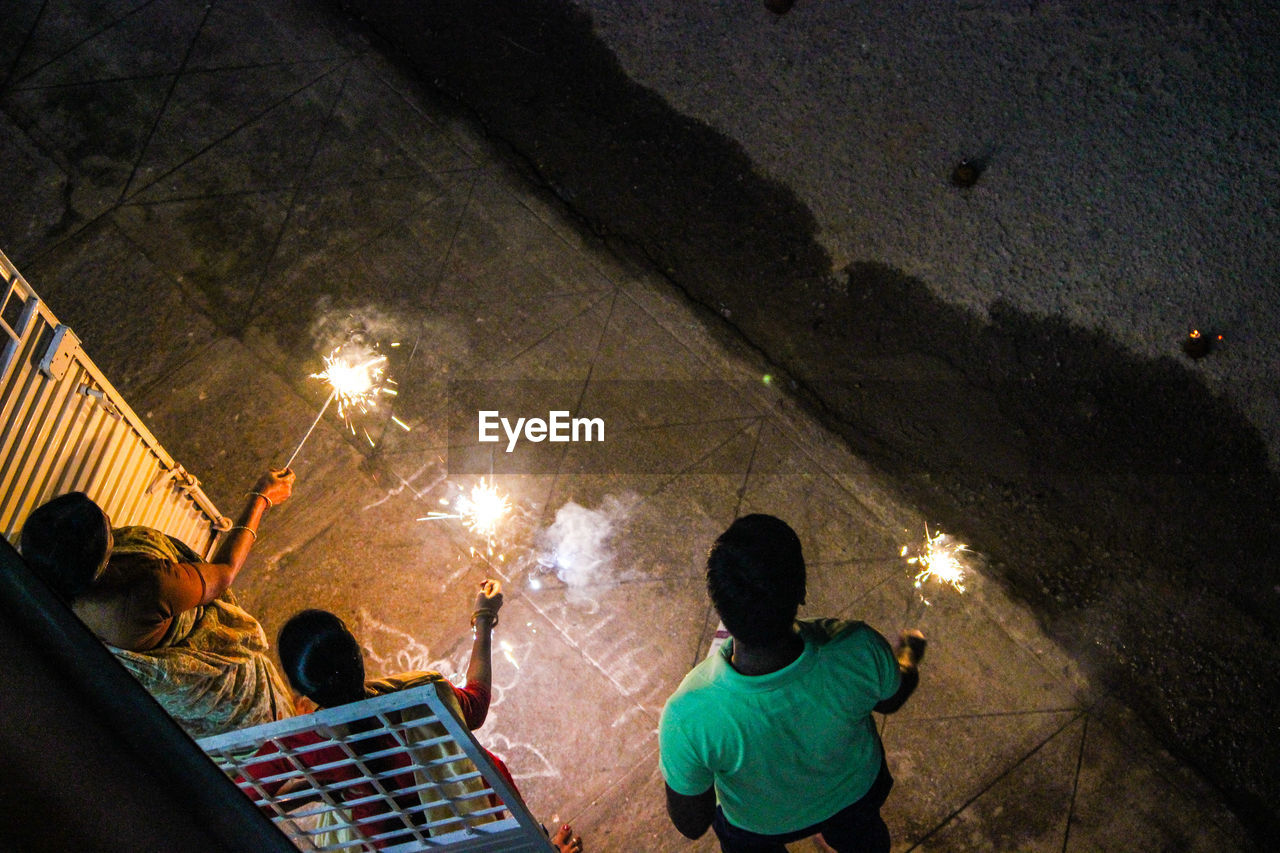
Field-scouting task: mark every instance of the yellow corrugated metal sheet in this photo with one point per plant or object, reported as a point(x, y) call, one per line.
point(64, 428)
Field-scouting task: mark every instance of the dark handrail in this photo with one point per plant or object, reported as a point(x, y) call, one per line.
point(88, 759)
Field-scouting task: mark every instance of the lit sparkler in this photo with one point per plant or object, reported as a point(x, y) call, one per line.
point(941, 558)
point(357, 376)
point(481, 511)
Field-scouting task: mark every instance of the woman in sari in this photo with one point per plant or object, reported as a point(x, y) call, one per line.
point(167, 615)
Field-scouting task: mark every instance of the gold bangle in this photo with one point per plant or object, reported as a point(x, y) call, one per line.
point(260, 495)
point(485, 611)
point(242, 527)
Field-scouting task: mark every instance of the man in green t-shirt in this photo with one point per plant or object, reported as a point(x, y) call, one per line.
point(771, 739)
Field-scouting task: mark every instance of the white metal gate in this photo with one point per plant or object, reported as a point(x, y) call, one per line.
point(64, 428)
point(396, 772)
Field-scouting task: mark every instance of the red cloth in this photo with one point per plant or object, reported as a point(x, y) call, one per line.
point(382, 767)
point(474, 701)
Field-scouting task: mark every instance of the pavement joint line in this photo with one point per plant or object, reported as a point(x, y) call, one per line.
point(73, 48)
point(575, 646)
point(105, 214)
point(751, 461)
point(685, 472)
point(164, 106)
point(453, 238)
point(990, 613)
point(942, 718)
point(215, 196)
point(595, 351)
point(22, 48)
point(174, 367)
point(888, 577)
point(297, 190)
point(411, 215)
point(667, 424)
point(550, 333)
point(258, 66)
point(224, 137)
point(1075, 783)
point(999, 778)
point(608, 789)
point(73, 84)
point(845, 561)
point(408, 484)
point(161, 75)
point(637, 582)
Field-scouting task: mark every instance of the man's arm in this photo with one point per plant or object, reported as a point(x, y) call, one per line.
point(909, 651)
point(691, 815)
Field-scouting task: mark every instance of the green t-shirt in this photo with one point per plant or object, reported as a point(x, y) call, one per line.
point(788, 749)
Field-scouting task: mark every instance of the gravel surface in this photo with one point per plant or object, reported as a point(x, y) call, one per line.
point(1131, 152)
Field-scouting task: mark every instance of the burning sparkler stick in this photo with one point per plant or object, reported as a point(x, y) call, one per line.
point(356, 375)
point(310, 430)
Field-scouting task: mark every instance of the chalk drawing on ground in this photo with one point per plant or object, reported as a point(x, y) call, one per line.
point(394, 651)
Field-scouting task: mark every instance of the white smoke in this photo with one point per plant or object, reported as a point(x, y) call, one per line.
point(579, 545)
point(335, 326)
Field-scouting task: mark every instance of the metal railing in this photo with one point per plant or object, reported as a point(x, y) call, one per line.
point(64, 428)
point(395, 772)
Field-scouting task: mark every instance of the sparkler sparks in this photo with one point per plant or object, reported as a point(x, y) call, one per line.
point(941, 558)
point(357, 375)
point(482, 510)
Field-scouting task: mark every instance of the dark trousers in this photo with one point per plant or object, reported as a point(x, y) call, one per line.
point(855, 829)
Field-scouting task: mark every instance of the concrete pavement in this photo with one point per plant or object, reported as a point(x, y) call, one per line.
point(209, 194)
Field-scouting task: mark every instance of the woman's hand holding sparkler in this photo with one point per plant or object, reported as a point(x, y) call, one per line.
point(483, 620)
point(272, 488)
point(275, 486)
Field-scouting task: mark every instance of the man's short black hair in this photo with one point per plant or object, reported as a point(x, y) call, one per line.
point(321, 658)
point(65, 541)
point(756, 578)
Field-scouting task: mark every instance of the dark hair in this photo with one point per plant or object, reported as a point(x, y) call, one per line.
point(755, 577)
point(321, 658)
point(65, 542)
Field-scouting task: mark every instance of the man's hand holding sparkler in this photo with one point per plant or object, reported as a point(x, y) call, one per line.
point(909, 651)
point(910, 648)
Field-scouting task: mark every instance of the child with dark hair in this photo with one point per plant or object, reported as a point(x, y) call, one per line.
point(323, 662)
point(770, 739)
